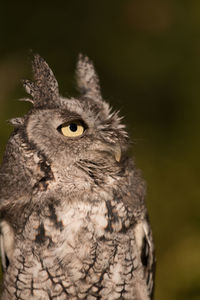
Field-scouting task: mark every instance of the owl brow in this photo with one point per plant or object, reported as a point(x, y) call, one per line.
point(79, 120)
point(72, 117)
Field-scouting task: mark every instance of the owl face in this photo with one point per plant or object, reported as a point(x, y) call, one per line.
point(72, 130)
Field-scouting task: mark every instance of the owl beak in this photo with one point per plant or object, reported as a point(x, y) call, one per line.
point(118, 153)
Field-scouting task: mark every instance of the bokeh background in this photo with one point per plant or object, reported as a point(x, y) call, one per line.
point(147, 54)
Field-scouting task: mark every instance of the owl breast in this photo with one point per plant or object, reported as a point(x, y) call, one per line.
point(75, 251)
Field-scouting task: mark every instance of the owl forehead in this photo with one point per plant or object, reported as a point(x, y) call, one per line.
point(68, 110)
point(85, 108)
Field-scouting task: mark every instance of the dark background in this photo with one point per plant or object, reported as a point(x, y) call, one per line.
point(147, 54)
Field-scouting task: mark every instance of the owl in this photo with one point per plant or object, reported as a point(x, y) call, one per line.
point(74, 223)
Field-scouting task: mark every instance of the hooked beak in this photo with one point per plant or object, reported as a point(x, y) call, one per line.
point(118, 153)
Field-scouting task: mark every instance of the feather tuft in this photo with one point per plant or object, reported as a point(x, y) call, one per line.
point(16, 122)
point(44, 88)
point(87, 79)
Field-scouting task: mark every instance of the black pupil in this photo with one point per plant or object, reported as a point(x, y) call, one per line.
point(73, 127)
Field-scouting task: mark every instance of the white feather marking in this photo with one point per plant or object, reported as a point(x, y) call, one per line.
point(6, 241)
point(140, 233)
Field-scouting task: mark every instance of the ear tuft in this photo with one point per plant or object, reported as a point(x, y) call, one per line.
point(44, 88)
point(87, 79)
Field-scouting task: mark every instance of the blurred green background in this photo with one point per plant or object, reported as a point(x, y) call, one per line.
point(147, 54)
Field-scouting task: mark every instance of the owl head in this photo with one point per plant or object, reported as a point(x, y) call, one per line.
point(71, 132)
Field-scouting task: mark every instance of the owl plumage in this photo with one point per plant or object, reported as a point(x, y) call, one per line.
point(74, 223)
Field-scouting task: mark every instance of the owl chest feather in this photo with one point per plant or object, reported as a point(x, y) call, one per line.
point(78, 250)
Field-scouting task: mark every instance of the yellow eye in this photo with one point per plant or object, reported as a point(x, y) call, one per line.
point(72, 129)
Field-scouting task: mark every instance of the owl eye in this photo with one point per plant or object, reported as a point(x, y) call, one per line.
point(72, 129)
